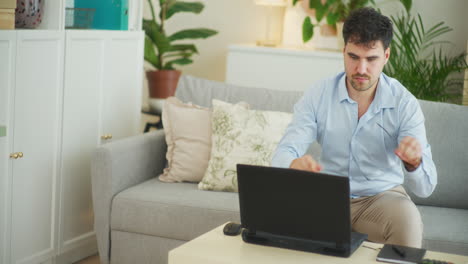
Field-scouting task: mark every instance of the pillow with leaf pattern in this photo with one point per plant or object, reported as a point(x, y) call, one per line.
point(240, 135)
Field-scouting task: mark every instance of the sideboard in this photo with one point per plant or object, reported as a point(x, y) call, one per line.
point(280, 68)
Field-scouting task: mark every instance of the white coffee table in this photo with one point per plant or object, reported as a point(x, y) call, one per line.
point(215, 247)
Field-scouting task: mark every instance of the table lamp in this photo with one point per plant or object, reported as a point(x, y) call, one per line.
point(270, 39)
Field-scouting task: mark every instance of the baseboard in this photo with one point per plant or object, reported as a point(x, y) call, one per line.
point(78, 249)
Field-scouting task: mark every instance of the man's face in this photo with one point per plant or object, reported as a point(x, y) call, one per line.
point(364, 64)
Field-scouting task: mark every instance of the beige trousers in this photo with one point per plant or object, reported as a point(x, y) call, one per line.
point(388, 217)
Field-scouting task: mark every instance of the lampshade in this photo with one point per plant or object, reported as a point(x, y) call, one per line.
point(271, 2)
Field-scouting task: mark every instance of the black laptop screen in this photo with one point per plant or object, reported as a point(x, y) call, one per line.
point(294, 203)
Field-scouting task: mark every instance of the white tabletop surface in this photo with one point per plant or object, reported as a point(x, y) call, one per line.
point(215, 247)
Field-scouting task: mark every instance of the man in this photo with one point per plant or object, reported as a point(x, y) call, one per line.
point(368, 125)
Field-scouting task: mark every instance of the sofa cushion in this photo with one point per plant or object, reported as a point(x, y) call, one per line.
point(445, 229)
point(240, 135)
point(188, 137)
point(201, 92)
point(173, 210)
point(446, 129)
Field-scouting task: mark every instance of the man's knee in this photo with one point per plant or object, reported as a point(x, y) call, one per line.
point(404, 226)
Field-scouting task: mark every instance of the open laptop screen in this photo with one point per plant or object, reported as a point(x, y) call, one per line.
point(294, 203)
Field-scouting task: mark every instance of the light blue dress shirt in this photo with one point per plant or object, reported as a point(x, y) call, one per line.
point(361, 149)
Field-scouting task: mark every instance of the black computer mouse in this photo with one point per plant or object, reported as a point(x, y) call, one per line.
point(232, 229)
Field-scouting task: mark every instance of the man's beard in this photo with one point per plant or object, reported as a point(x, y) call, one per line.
point(360, 87)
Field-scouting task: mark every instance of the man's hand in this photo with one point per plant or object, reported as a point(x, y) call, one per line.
point(306, 163)
point(409, 151)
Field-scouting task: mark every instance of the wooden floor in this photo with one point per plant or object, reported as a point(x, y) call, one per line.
point(89, 260)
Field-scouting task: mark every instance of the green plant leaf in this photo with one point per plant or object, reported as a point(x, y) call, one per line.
point(295, 2)
point(407, 4)
point(178, 6)
point(181, 61)
point(178, 54)
point(320, 10)
point(150, 55)
point(158, 38)
point(307, 30)
point(426, 72)
point(184, 47)
point(195, 33)
point(164, 6)
point(332, 18)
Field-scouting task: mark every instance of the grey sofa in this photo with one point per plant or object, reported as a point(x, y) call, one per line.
point(138, 219)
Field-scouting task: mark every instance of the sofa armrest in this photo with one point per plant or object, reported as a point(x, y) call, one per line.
point(117, 166)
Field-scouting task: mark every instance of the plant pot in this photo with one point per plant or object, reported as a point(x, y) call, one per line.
point(327, 30)
point(163, 83)
point(307, 9)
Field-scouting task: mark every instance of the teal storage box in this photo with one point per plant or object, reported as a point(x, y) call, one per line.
point(109, 14)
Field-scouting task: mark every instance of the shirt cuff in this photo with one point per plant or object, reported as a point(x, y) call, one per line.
point(282, 161)
point(418, 172)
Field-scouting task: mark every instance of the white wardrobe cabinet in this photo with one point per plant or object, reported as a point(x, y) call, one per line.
point(102, 102)
point(31, 110)
point(61, 94)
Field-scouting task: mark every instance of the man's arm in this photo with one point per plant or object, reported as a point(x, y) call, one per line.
point(300, 133)
point(415, 151)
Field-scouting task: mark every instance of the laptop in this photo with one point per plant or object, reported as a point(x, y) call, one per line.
point(297, 210)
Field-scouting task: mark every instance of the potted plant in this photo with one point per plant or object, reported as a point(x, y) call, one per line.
point(163, 51)
point(334, 11)
point(418, 62)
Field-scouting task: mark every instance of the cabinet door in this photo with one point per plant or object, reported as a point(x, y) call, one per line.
point(122, 84)
point(37, 114)
point(7, 73)
point(84, 65)
point(102, 71)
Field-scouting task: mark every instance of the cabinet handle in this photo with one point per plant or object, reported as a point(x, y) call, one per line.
point(20, 154)
point(106, 136)
point(14, 155)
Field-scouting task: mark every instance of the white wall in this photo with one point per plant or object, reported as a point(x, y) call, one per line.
point(241, 21)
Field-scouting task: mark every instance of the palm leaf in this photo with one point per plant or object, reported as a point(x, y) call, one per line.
point(426, 72)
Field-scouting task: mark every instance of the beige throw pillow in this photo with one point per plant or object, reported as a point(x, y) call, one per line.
point(243, 136)
point(188, 136)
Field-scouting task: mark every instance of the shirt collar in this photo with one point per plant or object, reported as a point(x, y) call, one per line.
point(342, 91)
point(384, 97)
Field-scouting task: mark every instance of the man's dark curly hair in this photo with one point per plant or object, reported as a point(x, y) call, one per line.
point(364, 26)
